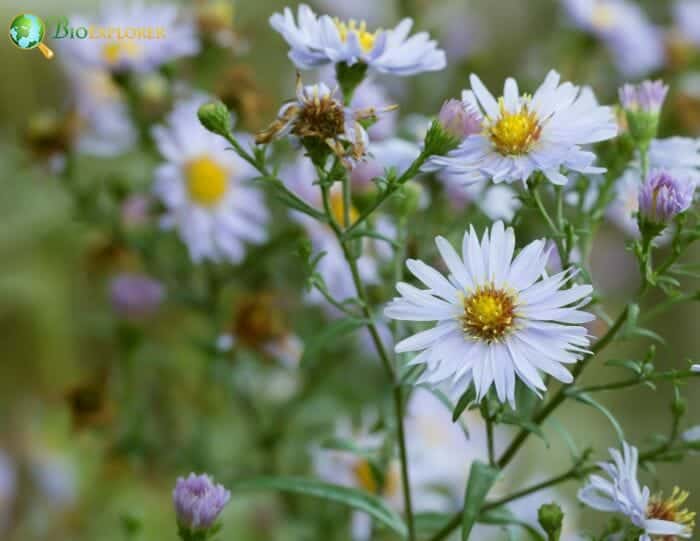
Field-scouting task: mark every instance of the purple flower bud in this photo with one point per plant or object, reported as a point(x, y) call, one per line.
point(663, 196)
point(646, 97)
point(198, 501)
point(135, 296)
point(458, 119)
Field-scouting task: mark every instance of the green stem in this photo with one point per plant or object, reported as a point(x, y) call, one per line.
point(384, 357)
point(407, 175)
point(669, 375)
point(561, 395)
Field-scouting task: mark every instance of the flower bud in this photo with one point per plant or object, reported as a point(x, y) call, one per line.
point(642, 104)
point(198, 502)
point(663, 196)
point(135, 296)
point(215, 117)
point(551, 518)
point(457, 120)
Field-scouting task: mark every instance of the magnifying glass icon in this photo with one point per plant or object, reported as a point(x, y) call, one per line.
point(27, 32)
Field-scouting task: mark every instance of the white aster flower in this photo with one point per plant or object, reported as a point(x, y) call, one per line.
point(496, 319)
point(316, 41)
point(170, 34)
point(622, 493)
point(204, 188)
point(523, 134)
point(635, 44)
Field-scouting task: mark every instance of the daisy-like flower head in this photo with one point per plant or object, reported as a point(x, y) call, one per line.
point(137, 37)
point(316, 41)
point(318, 115)
point(497, 318)
point(523, 134)
point(203, 186)
point(635, 44)
point(657, 517)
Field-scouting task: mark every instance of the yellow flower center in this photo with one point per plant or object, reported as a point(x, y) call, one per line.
point(514, 133)
point(366, 39)
point(488, 313)
point(670, 509)
point(207, 181)
point(338, 210)
point(364, 476)
point(603, 16)
point(115, 51)
point(259, 320)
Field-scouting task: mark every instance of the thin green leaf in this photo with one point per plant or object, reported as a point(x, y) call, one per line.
point(481, 479)
point(502, 516)
point(330, 333)
point(467, 398)
point(351, 497)
point(359, 233)
point(511, 418)
point(585, 398)
point(430, 522)
point(629, 364)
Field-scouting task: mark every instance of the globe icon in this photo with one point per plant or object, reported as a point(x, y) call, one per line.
point(27, 31)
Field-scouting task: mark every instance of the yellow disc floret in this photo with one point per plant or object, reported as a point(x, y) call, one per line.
point(338, 210)
point(671, 509)
point(207, 181)
point(514, 133)
point(115, 51)
point(603, 16)
point(364, 476)
point(488, 313)
point(365, 38)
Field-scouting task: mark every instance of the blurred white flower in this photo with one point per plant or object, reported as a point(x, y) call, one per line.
point(56, 478)
point(172, 35)
point(203, 186)
point(636, 45)
point(106, 129)
point(686, 16)
point(495, 319)
point(8, 489)
point(524, 134)
point(316, 41)
point(622, 493)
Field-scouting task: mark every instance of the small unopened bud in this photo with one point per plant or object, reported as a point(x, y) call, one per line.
point(551, 518)
point(642, 104)
point(458, 120)
point(198, 502)
point(215, 117)
point(135, 296)
point(663, 196)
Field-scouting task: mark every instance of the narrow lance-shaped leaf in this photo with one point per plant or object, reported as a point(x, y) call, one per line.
point(351, 497)
point(481, 479)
